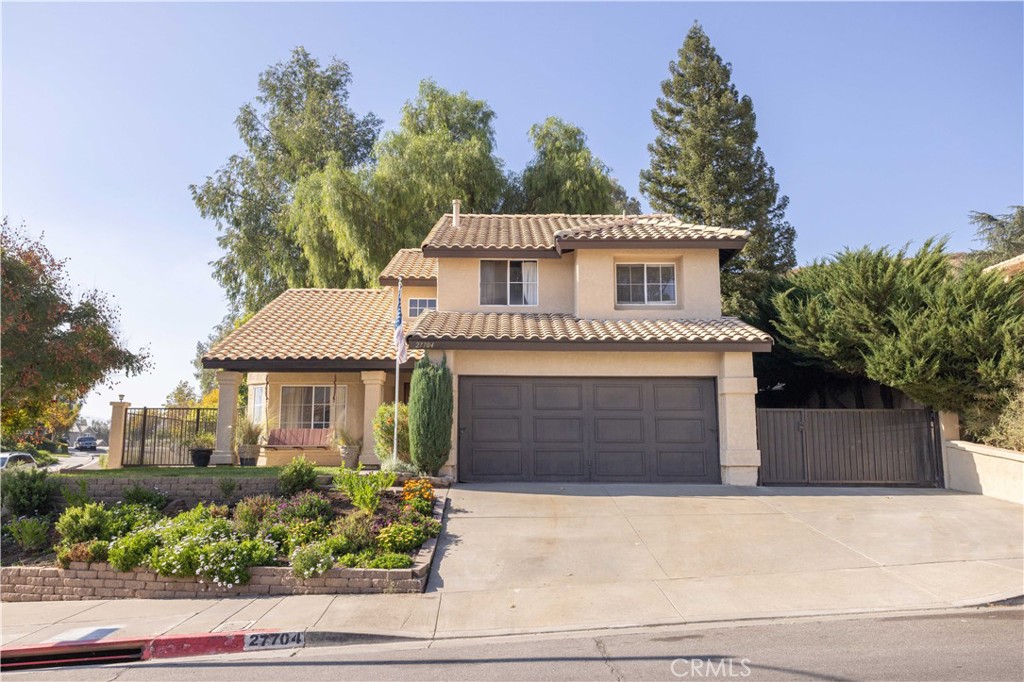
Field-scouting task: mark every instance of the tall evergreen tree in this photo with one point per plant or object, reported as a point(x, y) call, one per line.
point(1003, 235)
point(706, 166)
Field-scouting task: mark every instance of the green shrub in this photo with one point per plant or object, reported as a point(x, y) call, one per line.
point(296, 476)
point(356, 559)
point(88, 552)
point(138, 494)
point(312, 560)
point(384, 431)
point(76, 498)
point(430, 415)
point(84, 524)
point(400, 537)
point(390, 560)
point(32, 533)
point(339, 545)
point(130, 551)
point(364, 490)
point(357, 528)
point(227, 487)
point(304, 531)
point(430, 526)
point(421, 506)
point(252, 512)
point(278, 535)
point(309, 504)
point(226, 562)
point(28, 492)
point(125, 518)
point(1008, 430)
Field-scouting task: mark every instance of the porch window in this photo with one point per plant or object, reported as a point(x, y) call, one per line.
point(645, 283)
point(418, 306)
point(508, 282)
point(257, 403)
point(311, 407)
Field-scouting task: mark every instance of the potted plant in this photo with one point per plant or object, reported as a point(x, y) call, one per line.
point(350, 447)
point(201, 446)
point(248, 435)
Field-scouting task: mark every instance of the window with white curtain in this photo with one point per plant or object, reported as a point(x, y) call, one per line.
point(257, 403)
point(508, 282)
point(311, 407)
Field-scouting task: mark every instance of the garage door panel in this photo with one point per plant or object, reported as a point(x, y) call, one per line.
point(558, 429)
point(678, 397)
point(558, 397)
point(616, 463)
point(618, 430)
point(495, 462)
point(682, 464)
point(501, 396)
point(618, 396)
point(561, 464)
point(669, 430)
point(497, 430)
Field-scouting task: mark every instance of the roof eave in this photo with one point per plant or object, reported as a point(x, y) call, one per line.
point(412, 281)
point(504, 344)
point(301, 364)
point(487, 252)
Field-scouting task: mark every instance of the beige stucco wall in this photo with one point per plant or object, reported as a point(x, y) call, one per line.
point(698, 291)
point(974, 468)
point(733, 372)
point(458, 286)
point(412, 291)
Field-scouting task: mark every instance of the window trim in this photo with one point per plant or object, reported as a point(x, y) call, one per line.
point(655, 264)
point(423, 310)
point(334, 421)
point(508, 283)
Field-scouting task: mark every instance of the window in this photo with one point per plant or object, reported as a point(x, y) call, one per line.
point(309, 407)
point(418, 306)
point(508, 282)
point(257, 403)
point(643, 283)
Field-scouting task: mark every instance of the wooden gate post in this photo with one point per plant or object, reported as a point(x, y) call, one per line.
point(115, 443)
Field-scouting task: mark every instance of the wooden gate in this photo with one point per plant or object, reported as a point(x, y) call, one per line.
point(849, 447)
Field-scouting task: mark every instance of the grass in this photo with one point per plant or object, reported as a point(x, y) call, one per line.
point(212, 472)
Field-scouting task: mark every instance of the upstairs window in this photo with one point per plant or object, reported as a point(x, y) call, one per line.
point(418, 306)
point(645, 283)
point(508, 282)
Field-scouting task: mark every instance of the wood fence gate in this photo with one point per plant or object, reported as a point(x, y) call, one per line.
point(849, 447)
point(160, 436)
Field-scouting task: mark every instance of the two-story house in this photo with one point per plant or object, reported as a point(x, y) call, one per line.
point(583, 348)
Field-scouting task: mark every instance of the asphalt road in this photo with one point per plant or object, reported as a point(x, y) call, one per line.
point(968, 644)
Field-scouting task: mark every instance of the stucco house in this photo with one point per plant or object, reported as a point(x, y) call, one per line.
point(583, 348)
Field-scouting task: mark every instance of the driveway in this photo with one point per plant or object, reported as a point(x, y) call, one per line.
point(528, 557)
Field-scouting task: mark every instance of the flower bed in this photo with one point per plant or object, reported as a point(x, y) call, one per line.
point(360, 536)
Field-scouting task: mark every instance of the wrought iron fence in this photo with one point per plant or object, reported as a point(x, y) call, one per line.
point(160, 436)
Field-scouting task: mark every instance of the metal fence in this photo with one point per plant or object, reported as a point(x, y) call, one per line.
point(849, 447)
point(160, 436)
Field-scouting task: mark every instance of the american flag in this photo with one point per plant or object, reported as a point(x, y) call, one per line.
point(400, 347)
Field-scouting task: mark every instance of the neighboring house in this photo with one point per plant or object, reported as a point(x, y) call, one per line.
point(1010, 267)
point(583, 348)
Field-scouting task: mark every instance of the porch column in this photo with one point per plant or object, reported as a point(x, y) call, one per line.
point(737, 420)
point(373, 397)
point(227, 415)
point(115, 441)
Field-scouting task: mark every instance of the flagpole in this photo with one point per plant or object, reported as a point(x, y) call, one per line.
point(398, 360)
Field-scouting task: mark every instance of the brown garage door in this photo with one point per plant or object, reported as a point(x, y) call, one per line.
point(593, 429)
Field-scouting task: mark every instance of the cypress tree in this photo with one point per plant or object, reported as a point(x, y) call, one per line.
point(706, 167)
point(430, 415)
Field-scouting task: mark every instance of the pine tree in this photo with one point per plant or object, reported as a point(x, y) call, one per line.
point(706, 167)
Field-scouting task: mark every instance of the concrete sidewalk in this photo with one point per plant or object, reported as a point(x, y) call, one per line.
point(544, 558)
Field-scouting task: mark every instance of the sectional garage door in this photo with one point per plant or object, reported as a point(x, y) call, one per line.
point(587, 429)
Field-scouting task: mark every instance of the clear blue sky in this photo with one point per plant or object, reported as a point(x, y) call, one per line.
point(886, 123)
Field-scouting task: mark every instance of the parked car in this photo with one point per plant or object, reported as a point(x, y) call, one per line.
point(16, 459)
point(85, 443)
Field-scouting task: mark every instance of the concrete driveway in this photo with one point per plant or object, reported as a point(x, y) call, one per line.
point(529, 557)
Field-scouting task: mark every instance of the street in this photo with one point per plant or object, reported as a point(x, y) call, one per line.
point(965, 644)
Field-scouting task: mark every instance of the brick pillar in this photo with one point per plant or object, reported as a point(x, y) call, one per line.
point(737, 420)
point(227, 416)
point(115, 442)
point(373, 397)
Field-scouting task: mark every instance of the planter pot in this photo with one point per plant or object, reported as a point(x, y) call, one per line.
point(350, 456)
point(248, 455)
point(201, 457)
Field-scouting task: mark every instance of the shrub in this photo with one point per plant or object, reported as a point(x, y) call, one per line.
point(364, 490)
point(418, 488)
point(309, 504)
point(384, 431)
point(227, 487)
point(400, 537)
point(84, 524)
point(304, 531)
point(1008, 431)
point(32, 534)
point(130, 551)
point(339, 545)
point(421, 506)
point(151, 497)
point(125, 518)
point(251, 513)
point(311, 560)
point(430, 415)
point(95, 550)
point(430, 526)
point(390, 560)
point(226, 562)
point(278, 535)
point(298, 475)
point(356, 559)
point(28, 492)
point(357, 528)
point(76, 498)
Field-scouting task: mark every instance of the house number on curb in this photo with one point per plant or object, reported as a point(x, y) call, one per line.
point(273, 640)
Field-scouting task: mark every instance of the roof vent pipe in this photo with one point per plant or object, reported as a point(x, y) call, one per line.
point(456, 205)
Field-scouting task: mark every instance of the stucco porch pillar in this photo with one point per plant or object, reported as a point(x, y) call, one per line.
point(115, 441)
point(227, 415)
point(373, 397)
point(737, 419)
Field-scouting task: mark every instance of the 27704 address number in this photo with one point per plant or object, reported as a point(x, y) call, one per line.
point(273, 640)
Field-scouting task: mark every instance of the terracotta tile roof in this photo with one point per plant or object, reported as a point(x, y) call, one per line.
point(1010, 266)
point(316, 324)
point(410, 265)
point(555, 327)
point(543, 232)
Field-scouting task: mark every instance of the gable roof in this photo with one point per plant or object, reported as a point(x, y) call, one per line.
point(411, 266)
point(558, 231)
point(563, 331)
point(313, 328)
